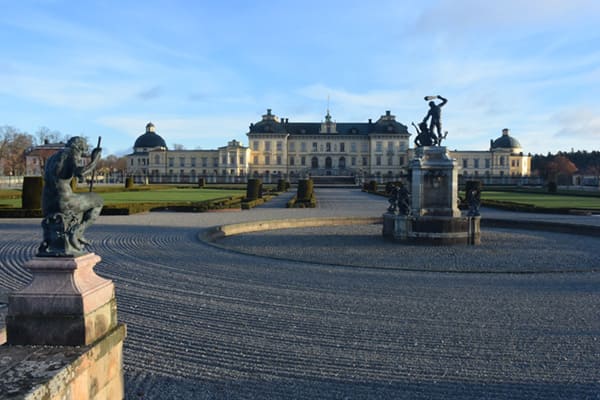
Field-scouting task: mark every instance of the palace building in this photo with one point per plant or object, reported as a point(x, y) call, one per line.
point(360, 151)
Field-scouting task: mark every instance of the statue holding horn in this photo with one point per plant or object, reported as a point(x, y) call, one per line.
point(66, 214)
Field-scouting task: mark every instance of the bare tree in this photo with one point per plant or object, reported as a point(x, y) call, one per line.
point(46, 135)
point(13, 145)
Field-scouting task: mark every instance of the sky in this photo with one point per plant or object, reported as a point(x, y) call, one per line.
point(202, 71)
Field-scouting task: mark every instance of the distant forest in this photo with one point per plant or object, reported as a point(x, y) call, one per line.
point(583, 162)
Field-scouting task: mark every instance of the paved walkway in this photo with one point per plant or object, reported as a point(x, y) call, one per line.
point(209, 323)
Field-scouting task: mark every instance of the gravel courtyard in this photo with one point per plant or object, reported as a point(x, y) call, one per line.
point(326, 313)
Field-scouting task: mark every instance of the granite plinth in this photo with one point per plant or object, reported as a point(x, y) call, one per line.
point(66, 303)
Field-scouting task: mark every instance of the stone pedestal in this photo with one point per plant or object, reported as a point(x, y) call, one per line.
point(434, 185)
point(432, 230)
point(434, 217)
point(65, 304)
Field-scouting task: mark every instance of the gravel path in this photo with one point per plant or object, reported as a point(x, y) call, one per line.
point(210, 323)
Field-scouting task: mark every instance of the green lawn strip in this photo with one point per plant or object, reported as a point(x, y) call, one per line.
point(544, 200)
point(169, 196)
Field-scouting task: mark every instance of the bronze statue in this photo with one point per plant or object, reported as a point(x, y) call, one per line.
point(66, 214)
point(435, 113)
point(424, 136)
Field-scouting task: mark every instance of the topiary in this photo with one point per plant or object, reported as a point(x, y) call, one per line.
point(254, 189)
point(31, 196)
point(129, 182)
point(305, 189)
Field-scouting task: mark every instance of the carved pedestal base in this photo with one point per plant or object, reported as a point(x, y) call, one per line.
point(65, 304)
point(431, 230)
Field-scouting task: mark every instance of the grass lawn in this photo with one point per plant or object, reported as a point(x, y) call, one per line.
point(169, 195)
point(150, 196)
point(545, 200)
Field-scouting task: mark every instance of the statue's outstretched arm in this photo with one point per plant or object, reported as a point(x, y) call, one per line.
point(96, 154)
point(444, 101)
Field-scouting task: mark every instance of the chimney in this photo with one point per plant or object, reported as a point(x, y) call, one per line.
point(370, 121)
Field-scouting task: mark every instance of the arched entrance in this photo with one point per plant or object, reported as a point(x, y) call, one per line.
point(328, 163)
point(314, 162)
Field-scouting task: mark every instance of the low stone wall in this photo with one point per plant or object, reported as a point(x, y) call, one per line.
point(236, 229)
point(64, 372)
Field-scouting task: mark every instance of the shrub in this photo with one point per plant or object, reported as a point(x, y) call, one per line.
point(552, 187)
point(372, 187)
point(129, 182)
point(305, 190)
point(254, 189)
point(31, 198)
point(201, 182)
point(282, 185)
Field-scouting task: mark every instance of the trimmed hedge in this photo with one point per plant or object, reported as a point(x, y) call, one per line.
point(254, 189)
point(305, 190)
point(31, 198)
point(282, 185)
point(129, 182)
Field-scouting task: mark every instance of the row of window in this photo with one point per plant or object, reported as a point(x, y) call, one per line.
point(328, 161)
point(502, 160)
point(327, 147)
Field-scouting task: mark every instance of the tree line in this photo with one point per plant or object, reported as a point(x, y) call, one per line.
point(14, 145)
point(561, 166)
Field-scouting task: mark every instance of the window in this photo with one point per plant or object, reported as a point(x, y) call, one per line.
point(377, 160)
point(487, 162)
point(476, 163)
point(255, 160)
point(328, 146)
point(241, 160)
point(315, 146)
point(342, 147)
point(465, 163)
point(402, 146)
point(267, 160)
point(379, 146)
point(279, 145)
point(303, 147)
point(501, 160)
point(292, 161)
point(193, 161)
point(390, 160)
point(182, 161)
point(353, 147)
point(365, 161)
point(205, 161)
point(224, 159)
point(292, 146)
point(278, 160)
point(314, 162)
point(342, 162)
point(401, 160)
point(390, 146)
point(353, 161)
point(303, 160)
point(215, 162)
point(131, 162)
point(157, 159)
point(267, 145)
point(171, 161)
point(255, 145)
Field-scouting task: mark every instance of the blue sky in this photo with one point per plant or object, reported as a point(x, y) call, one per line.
point(202, 71)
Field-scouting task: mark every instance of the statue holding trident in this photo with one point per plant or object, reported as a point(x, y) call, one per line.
point(66, 214)
point(435, 113)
